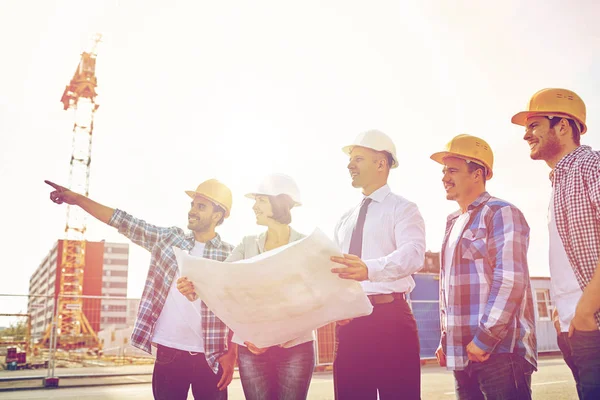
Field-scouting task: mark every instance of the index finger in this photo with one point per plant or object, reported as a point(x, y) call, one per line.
point(339, 260)
point(54, 185)
point(224, 381)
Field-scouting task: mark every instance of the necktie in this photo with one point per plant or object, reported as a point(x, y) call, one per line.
point(357, 234)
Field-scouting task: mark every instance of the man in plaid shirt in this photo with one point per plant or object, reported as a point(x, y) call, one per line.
point(487, 316)
point(554, 121)
point(193, 347)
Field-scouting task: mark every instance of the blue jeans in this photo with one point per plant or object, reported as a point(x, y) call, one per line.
point(582, 354)
point(502, 377)
point(176, 370)
point(277, 374)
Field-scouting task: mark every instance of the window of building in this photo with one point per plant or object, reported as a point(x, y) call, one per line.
point(118, 250)
point(115, 261)
point(117, 284)
point(115, 273)
point(544, 305)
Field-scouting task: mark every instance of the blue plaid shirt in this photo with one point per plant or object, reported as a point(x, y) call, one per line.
point(490, 300)
point(163, 267)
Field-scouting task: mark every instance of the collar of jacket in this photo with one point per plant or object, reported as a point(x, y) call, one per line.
point(479, 201)
point(568, 160)
point(262, 238)
point(190, 241)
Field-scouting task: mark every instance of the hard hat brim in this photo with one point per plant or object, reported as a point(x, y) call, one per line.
point(253, 196)
point(348, 149)
point(439, 158)
point(193, 194)
point(521, 118)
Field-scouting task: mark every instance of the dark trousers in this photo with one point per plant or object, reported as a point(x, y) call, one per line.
point(582, 354)
point(502, 377)
point(379, 353)
point(277, 374)
point(176, 370)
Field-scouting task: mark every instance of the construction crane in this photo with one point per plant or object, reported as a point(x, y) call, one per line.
point(73, 329)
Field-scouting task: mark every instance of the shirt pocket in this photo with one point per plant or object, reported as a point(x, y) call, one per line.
point(473, 244)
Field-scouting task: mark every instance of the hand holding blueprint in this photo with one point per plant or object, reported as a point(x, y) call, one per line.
point(279, 295)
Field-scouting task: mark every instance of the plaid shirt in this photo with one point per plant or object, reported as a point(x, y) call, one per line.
point(163, 267)
point(490, 300)
point(576, 182)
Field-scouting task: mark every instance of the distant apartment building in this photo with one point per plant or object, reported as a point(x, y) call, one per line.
point(105, 275)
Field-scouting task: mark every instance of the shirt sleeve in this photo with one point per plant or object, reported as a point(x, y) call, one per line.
point(591, 176)
point(409, 256)
point(238, 253)
point(508, 241)
point(138, 231)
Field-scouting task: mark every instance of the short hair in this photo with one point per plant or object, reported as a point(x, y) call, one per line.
point(574, 127)
point(282, 205)
point(473, 166)
point(217, 208)
point(388, 157)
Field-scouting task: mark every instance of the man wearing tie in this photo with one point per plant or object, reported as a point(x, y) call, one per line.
point(384, 237)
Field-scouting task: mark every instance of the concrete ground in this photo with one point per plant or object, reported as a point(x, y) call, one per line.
point(553, 381)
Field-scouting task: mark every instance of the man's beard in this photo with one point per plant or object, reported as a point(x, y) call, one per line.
point(549, 149)
point(199, 226)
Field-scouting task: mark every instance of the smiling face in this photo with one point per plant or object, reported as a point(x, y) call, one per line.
point(367, 167)
point(459, 181)
point(544, 143)
point(262, 209)
point(203, 215)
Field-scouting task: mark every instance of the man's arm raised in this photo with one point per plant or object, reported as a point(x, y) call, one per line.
point(63, 195)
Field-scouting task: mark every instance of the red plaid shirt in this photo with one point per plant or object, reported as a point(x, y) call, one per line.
point(576, 182)
point(163, 267)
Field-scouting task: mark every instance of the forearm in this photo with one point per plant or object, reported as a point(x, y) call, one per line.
point(96, 210)
point(397, 265)
point(505, 296)
point(590, 299)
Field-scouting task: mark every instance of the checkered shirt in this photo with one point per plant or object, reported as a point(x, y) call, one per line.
point(163, 267)
point(576, 182)
point(490, 300)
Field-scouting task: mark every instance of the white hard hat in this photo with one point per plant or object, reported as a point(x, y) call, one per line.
point(375, 140)
point(276, 184)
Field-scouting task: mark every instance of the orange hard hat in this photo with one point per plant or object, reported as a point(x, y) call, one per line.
point(469, 148)
point(560, 103)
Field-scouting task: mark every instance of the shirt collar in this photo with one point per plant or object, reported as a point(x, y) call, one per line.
point(481, 199)
point(568, 160)
point(262, 238)
point(190, 241)
point(380, 194)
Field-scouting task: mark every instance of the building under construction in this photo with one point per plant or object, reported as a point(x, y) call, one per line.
point(106, 269)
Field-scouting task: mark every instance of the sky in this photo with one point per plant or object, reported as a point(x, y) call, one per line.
point(192, 90)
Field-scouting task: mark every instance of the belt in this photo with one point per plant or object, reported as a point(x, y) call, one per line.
point(385, 298)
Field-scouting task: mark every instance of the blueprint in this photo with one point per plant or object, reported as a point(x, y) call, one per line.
point(278, 295)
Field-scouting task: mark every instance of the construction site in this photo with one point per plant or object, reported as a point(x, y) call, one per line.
point(78, 314)
point(77, 303)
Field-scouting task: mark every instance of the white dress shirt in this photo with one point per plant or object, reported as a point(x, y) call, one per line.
point(393, 245)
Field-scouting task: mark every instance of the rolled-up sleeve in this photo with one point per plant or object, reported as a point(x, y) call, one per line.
point(139, 231)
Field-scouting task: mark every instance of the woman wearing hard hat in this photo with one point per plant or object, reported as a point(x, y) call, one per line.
point(283, 371)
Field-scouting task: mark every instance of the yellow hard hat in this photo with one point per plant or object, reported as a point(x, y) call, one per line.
point(554, 103)
point(470, 148)
point(214, 191)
